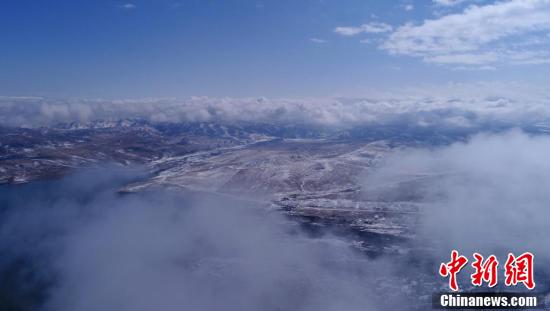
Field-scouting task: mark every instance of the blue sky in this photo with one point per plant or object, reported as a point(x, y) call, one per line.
point(282, 48)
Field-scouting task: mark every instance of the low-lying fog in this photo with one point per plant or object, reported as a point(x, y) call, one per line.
point(76, 244)
point(489, 195)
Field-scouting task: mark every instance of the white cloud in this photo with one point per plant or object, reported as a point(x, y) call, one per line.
point(373, 27)
point(128, 6)
point(317, 40)
point(409, 7)
point(448, 2)
point(493, 186)
point(480, 35)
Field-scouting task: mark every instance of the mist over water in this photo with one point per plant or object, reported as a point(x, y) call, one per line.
point(81, 246)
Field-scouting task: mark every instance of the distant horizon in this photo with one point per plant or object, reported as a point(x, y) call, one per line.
point(478, 89)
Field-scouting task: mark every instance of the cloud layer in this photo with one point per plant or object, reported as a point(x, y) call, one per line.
point(524, 106)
